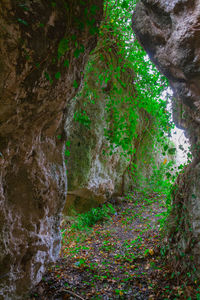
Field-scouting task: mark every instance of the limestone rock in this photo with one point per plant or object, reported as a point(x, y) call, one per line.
point(39, 74)
point(86, 164)
point(88, 169)
point(169, 31)
point(82, 200)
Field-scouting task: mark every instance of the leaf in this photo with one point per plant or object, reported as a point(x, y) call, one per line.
point(168, 175)
point(172, 151)
point(58, 75)
point(125, 4)
point(80, 262)
point(22, 21)
point(151, 251)
point(166, 147)
point(165, 161)
point(66, 63)
point(63, 47)
point(73, 37)
point(67, 153)
point(47, 76)
point(76, 53)
point(75, 84)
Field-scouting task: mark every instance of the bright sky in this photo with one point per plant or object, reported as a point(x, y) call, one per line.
point(178, 137)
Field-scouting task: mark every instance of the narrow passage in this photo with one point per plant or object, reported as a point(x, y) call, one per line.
point(116, 259)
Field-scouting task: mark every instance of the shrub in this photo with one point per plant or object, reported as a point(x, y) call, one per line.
point(93, 216)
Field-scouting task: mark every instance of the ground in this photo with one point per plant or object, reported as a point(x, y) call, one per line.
point(121, 258)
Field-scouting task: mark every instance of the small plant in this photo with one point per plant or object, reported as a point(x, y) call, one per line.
point(93, 216)
point(82, 118)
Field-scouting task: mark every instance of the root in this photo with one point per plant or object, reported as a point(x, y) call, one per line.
point(73, 294)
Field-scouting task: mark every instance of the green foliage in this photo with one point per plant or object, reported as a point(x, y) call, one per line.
point(22, 21)
point(75, 84)
point(149, 85)
point(129, 82)
point(79, 50)
point(63, 47)
point(67, 152)
point(93, 216)
point(66, 63)
point(58, 75)
point(48, 77)
point(82, 118)
point(120, 72)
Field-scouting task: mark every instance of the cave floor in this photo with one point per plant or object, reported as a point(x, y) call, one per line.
point(117, 259)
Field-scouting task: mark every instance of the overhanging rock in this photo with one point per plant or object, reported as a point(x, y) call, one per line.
point(44, 46)
point(170, 33)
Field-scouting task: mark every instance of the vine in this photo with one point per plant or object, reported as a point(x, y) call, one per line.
point(119, 70)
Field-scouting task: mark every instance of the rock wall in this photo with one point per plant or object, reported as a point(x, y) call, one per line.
point(95, 174)
point(44, 46)
point(169, 31)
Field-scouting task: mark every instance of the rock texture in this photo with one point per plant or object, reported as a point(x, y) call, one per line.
point(43, 49)
point(170, 33)
point(88, 168)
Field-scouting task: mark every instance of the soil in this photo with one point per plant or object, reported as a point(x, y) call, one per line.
point(117, 259)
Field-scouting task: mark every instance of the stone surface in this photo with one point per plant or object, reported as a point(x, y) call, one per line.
point(43, 49)
point(82, 200)
point(169, 31)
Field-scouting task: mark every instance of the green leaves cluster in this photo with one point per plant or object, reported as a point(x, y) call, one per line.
point(93, 216)
point(82, 117)
point(130, 83)
point(149, 84)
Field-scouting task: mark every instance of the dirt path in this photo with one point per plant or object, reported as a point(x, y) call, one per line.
point(115, 260)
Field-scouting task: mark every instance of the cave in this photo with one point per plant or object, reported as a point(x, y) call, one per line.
point(45, 47)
